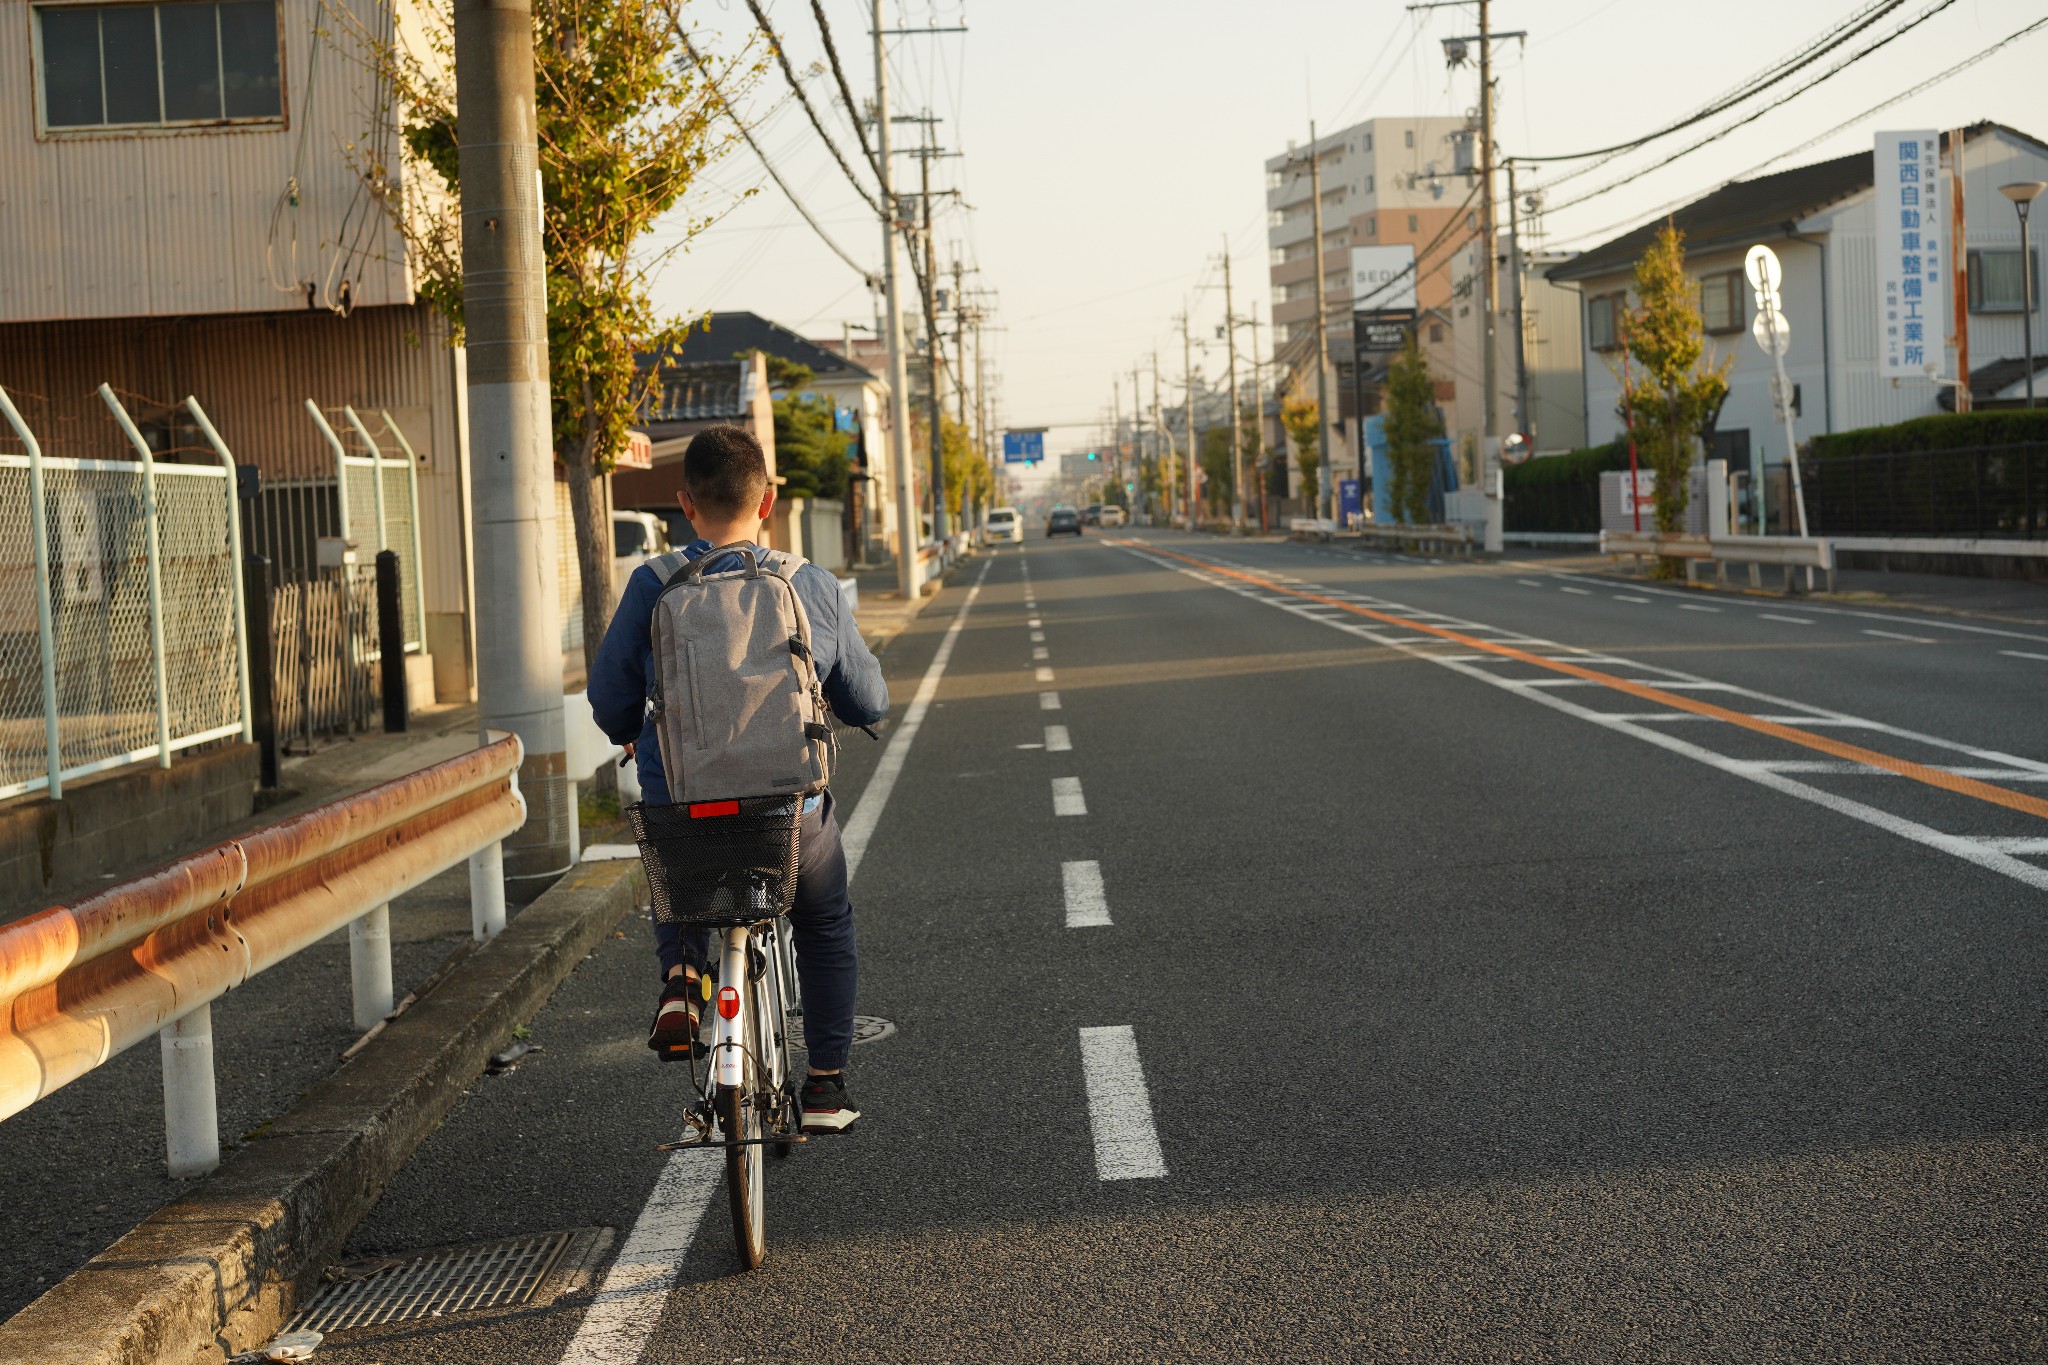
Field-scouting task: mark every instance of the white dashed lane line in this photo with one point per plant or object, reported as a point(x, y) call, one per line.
point(1119, 1107)
point(1044, 674)
point(1788, 620)
point(1067, 798)
point(1619, 598)
point(1087, 906)
point(1894, 635)
point(1048, 701)
point(2022, 654)
point(1039, 652)
point(1578, 592)
point(1694, 606)
point(1057, 741)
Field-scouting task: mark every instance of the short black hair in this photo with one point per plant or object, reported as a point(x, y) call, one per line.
point(725, 470)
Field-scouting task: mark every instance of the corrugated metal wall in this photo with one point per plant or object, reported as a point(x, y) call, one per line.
point(253, 375)
point(197, 220)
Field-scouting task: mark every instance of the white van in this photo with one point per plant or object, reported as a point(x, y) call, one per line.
point(1004, 524)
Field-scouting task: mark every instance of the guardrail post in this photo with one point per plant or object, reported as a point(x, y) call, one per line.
point(487, 892)
point(46, 633)
point(152, 544)
point(262, 677)
point(391, 642)
point(191, 1118)
point(369, 965)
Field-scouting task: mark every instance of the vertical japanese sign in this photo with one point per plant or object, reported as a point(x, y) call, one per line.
point(1911, 208)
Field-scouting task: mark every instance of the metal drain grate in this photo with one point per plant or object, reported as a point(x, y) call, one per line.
point(437, 1283)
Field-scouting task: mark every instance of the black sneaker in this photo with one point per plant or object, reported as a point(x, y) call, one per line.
point(677, 1030)
point(827, 1107)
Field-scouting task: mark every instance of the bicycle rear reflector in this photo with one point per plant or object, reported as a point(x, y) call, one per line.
point(704, 808)
point(728, 1002)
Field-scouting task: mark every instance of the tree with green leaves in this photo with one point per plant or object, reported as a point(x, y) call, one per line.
point(1302, 418)
point(1675, 388)
point(1219, 471)
point(810, 449)
point(1413, 428)
point(626, 121)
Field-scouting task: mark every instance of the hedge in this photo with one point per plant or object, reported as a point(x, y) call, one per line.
point(1946, 431)
point(1560, 492)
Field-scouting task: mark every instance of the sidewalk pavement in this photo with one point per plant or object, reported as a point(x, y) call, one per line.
point(884, 612)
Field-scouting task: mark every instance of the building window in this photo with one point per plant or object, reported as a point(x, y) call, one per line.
point(1372, 227)
point(1275, 179)
point(181, 63)
point(1411, 222)
point(1368, 184)
point(1333, 239)
point(1603, 321)
point(1995, 281)
point(1275, 255)
point(1408, 137)
point(1368, 142)
point(1275, 217)
point(1436, 331)
point(1721, 302)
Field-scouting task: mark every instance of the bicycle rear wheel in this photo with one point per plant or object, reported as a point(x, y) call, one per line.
point(739, 1117)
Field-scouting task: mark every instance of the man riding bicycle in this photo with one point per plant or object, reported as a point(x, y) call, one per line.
point(727, 496)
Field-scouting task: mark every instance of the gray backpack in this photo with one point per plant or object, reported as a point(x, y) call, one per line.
point(737, 702)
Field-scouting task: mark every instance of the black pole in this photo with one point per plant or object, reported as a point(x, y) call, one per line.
point(391, 642)
point(262, 707)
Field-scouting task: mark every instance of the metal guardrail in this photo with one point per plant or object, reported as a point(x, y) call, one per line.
point(80, 983)
point(1454, 537)
point(1790, 552)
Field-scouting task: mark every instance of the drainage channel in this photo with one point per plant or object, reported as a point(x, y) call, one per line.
point(517, 1272)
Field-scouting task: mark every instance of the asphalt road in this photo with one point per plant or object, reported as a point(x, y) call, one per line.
point(1482, 980)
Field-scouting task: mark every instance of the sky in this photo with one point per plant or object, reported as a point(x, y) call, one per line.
point(1110, 151)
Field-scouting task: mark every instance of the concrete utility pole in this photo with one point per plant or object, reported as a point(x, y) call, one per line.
point(1487, 283)
point(1522, 422)
point(907, 537)
point(1187, 344)
point(1959, 260)
point(1166, 472)
point(1326, 501)
point(941, 523)
point(1258, 420)
point(1230, 341)
point(1137, 444)
point(512, 484)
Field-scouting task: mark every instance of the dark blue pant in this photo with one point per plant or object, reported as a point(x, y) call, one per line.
point(822, 917)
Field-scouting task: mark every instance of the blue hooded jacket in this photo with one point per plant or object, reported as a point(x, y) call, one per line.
point(621, 681)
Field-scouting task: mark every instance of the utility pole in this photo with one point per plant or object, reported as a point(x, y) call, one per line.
point(1230, 342)
point(940, 521)
point(907, 538)
point(1137, 444)
point(1522, 422)
point(1166, 479)
point(1258, 420)
point(1487, 282)
point(1187, 412)
point(1326, 505)
point(512, 485)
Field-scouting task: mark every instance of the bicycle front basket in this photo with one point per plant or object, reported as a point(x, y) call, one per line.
point(706, 862)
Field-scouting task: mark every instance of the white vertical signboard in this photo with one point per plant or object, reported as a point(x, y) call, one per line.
point(1911, 208)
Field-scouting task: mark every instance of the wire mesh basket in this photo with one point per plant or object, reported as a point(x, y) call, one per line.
point(726, 862)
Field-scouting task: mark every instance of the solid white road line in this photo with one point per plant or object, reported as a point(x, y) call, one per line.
point(635, 1291)
point(860, 825)
point(1087, 907)
point(1044, 674)
point(1057, 741)
point(1894, 635)
point(1119, 1109)
point(2010, 844)
point(1048, 701)
point(1067, 798)
point(2022, 654)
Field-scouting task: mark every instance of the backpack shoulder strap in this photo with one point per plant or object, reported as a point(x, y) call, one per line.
point(666, 566)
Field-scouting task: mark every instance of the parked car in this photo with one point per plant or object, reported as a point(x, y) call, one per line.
point(1063, 521)
point(1111, 515)
point(1005, 525)
point(638, 535)
point(1091, 515)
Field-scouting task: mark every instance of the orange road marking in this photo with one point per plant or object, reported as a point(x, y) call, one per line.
point(1854, 753)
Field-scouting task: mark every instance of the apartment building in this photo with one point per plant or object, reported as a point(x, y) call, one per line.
point(1385, 182)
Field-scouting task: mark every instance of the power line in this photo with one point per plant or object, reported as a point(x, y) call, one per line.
point(1755, 85)
point(711, 82)
point(796, 86)
point(1751, 117)
point(845, 91)
point(1819, 138)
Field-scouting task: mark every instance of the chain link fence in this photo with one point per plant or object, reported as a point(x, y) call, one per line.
point(1976, 492)
point(120, 607)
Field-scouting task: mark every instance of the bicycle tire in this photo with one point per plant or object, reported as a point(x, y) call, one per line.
point(744, 1184)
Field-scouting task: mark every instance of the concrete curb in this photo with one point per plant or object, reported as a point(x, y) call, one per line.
point(218, 1271)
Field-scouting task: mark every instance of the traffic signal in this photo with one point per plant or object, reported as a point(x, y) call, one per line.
point(1091, 454)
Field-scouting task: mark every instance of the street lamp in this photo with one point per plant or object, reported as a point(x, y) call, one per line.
point(2023, 193)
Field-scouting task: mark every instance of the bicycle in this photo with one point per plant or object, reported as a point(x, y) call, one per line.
point(739, 881)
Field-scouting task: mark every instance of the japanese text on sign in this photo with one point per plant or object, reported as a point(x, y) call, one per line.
point(1910, 202)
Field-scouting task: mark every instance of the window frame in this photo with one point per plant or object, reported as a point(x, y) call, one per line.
point(1975, 281)
point(1730, 281)
point(1614, 300)
point(161, 127)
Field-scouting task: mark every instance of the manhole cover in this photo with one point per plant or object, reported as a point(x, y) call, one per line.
point(866, 1029)
point(517, 1272)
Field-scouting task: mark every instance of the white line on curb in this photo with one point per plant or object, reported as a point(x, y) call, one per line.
point(1119, 1109)
point(1048, 701)
point(1067, 798)
point(1087, 906)
point(1057, 740)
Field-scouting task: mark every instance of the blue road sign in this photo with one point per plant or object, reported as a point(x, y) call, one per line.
point(1023, 447)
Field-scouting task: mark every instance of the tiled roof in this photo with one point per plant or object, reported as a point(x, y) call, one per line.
point(727, 335)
